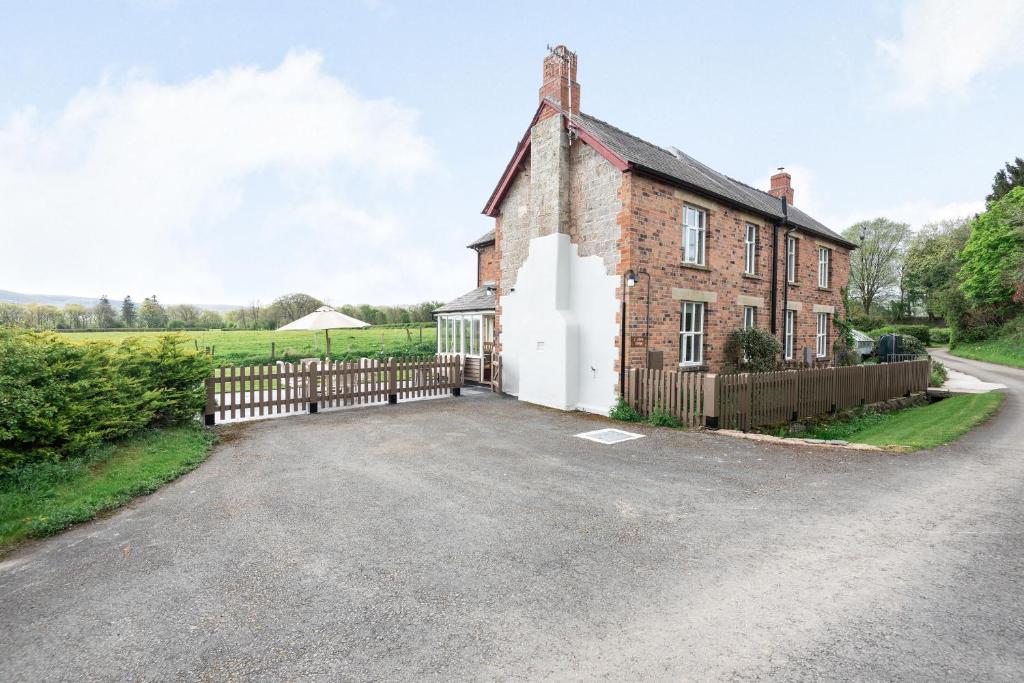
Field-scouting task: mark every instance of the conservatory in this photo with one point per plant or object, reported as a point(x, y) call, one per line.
point(466, 326)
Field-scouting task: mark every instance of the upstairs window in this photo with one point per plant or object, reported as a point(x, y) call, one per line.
point(691, 334)
point(694, 229)
point(750, 250)
point(790, 260)
point(824, 256)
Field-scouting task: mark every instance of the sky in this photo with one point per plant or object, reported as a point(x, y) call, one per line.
point(229, 152)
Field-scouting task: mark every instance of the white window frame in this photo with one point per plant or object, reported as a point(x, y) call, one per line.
point(695, 335)
point(695, 224)
point(750, 250)
point(787, 344)
point(824, 256)
point(791, 252)
point(749, 317)
point(821, 338)
point(461, 333)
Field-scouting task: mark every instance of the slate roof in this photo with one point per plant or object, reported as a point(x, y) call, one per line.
point(480, 299)
point(483, 240)
point(684, 169)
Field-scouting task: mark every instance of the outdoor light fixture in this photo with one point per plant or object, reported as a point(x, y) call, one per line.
point(630, 278)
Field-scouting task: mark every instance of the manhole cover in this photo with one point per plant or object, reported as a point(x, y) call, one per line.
point(609, 436)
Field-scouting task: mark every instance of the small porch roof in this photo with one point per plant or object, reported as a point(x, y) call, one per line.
point(480, 299)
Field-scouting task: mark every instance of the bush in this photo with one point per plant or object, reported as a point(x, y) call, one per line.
point(938, 375)
point(662, 418)
point(920, 332)
point(60, 400)
point(624, 412)
point(176, 325)
point(754, 350)
point(939, 335)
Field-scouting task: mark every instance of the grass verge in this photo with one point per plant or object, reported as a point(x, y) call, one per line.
point(1002, 350)
point(930, 425)
point(46, 498)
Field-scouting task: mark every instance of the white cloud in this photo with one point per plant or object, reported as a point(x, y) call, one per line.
point(946, 44)
point(243, 182)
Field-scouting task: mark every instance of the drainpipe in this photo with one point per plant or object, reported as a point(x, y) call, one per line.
point(785, 276)
point(775, 275)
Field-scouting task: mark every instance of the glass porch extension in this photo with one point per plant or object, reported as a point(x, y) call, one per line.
point(470, 334)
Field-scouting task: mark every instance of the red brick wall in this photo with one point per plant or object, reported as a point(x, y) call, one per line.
point(487, 265)
point(652, 218)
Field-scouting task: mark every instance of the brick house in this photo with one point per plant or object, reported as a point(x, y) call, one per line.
point(586, 214)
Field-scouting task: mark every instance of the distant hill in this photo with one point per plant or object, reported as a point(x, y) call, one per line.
point(61, 300)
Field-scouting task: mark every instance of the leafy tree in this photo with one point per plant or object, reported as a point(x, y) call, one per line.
point(292, 307)
point(128, 314)
point(931, 266)
point(875, 265)
point(152, 313)
point(211, 320)
point(76, 316)
point(993, 258)
point(1006, 179)
point(186, 313)
point(104, 312)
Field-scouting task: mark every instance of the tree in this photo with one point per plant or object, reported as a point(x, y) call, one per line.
point(1006, 179)
point(211, 320)
point(186, 313)
point(931, 265)
point(993, 258)
point(875, 265)
point(152, 313)
point(128, 314)
point(292, 307)
point(104, 312)
point(76, 315)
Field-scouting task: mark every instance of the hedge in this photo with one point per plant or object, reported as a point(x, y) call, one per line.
point(59, 400)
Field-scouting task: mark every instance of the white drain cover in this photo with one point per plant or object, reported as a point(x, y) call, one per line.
point(609, 436)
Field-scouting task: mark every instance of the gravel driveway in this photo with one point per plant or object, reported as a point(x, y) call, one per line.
point(477, 538)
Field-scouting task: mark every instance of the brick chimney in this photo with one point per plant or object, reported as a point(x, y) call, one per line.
point(560, 84)
point(782, 186)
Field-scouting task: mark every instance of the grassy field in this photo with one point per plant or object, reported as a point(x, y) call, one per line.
point(915, 428)
point(249, 347)
point(44, 499)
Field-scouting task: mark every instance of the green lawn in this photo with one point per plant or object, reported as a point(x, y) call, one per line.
point(1007, 350)
point(46, 498)
point(249, 347)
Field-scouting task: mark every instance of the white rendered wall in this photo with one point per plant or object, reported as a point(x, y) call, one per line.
point(558, 329)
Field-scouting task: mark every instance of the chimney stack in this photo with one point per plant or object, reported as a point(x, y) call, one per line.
point(560, 84)
point(782, 186)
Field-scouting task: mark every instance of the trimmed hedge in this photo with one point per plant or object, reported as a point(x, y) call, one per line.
point(939, 335)
point(59, 399)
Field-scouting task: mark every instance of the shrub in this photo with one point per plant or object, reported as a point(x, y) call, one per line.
point(939, 335)
point(624, 412)
point(662, 418)
point(176, 325)
point(755, 350)
point(60, 400)
point(938, 375)
point(920, 332)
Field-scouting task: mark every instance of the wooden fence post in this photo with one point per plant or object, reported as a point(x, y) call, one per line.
point(211, 405)
point(711, 400)
point(392, 381)
point(311, 389)
point(457, 375)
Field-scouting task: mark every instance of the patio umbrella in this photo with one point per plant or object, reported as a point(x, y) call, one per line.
point(324, 318)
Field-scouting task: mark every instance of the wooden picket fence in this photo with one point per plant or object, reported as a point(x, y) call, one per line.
point(747, 400)
point(680, 394)
point(263, 390)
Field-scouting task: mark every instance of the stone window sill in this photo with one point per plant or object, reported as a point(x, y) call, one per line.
point(695, 266)
point(692, 368)
point(754, 276)
point(824, 289)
